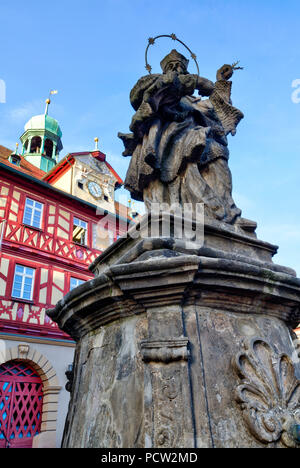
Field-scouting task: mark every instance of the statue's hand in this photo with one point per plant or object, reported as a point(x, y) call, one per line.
point(225, 73)
point(168, 78)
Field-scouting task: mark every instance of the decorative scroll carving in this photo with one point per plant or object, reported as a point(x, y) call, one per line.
point(167, 387)
point(269, 394)
point(165, 351)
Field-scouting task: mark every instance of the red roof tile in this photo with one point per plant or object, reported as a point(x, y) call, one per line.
point(4, 152)
point(25, 166)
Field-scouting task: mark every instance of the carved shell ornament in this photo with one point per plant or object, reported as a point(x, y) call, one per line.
point(269, 394)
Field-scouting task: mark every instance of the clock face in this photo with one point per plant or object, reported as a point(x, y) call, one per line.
point(95, 189)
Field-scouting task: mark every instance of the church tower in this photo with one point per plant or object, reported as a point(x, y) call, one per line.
point(42, 141)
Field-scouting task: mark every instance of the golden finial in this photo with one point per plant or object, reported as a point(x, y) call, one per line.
point(48, 101)
point(17, 146)
point(96, 143)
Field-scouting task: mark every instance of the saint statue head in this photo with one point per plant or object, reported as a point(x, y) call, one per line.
point(174, 61)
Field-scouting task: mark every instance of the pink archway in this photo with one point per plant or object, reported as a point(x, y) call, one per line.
point(21, 401)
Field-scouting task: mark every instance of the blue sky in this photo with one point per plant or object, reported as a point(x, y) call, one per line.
point(93, 53)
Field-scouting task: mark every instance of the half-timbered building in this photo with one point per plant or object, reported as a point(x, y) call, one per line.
point(51, 229)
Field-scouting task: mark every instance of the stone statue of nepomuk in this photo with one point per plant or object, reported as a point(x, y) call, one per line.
point(178, 143)
point(182, 344)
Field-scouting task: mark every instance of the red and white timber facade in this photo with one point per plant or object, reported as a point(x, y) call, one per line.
point(49, 250)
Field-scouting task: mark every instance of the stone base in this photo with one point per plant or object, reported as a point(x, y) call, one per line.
point(184, 345)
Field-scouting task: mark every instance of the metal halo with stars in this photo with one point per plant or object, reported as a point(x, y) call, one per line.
point(151, 41)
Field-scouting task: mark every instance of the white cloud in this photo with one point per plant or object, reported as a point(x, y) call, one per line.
point(25, 112)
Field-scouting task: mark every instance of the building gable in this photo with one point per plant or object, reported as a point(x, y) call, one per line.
point(88, 176)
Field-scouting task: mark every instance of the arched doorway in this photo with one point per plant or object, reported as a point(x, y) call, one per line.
point(21, 400)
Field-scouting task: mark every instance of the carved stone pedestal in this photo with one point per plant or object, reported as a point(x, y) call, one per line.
point(183, 345)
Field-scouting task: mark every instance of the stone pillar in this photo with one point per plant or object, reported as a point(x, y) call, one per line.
point(181, 344)
point(43, 138)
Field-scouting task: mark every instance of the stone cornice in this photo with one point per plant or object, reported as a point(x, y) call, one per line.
point(129, 289)
point(219, 236)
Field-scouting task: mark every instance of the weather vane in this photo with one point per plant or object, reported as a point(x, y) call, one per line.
point(52, 91)
point(48, 100)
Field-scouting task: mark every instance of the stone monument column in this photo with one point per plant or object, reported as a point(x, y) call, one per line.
point(184, 341)
point(184, 347)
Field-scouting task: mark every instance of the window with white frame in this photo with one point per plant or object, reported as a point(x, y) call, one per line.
point(23, 282)
point(33, 213)
point(80, 231)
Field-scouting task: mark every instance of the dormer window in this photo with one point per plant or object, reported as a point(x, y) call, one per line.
point(15, 159)
point(33, 213)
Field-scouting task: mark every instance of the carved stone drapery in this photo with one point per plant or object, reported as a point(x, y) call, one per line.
point(178, 142)
point(269, 394)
